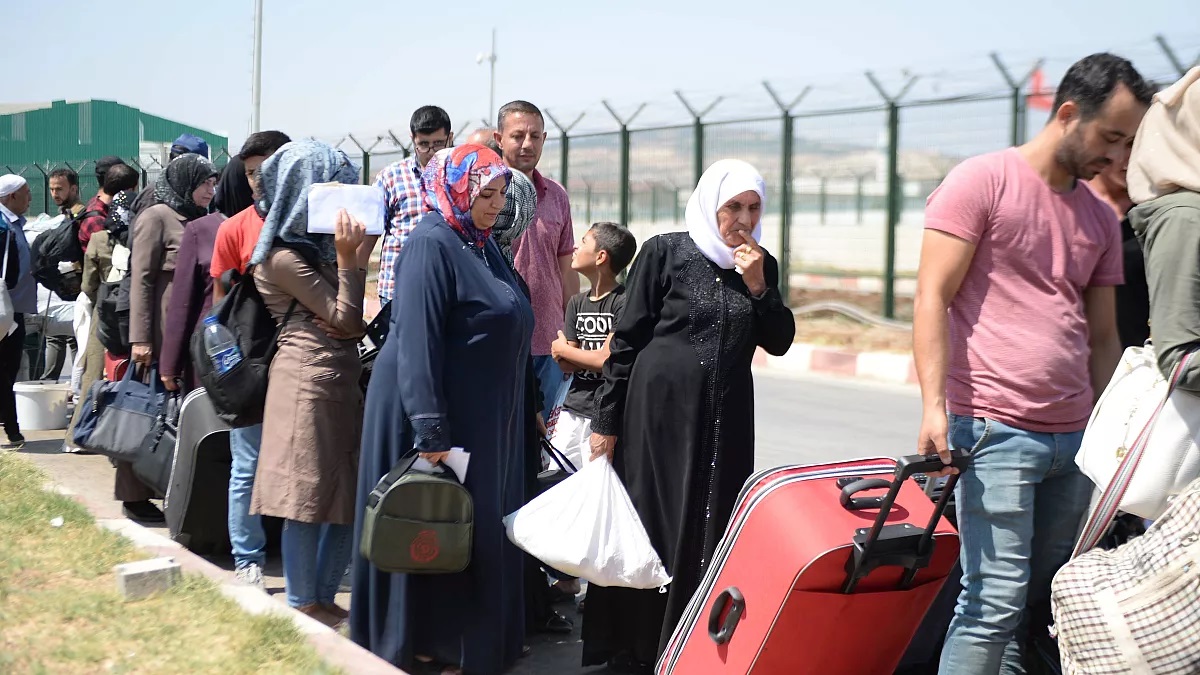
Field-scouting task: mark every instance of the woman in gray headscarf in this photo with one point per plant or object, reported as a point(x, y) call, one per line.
point(313, 285)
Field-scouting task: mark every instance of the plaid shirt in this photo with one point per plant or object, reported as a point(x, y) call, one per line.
point(92, 224)
point(405, 204)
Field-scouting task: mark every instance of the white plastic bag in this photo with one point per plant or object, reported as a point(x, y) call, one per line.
point(586, 527)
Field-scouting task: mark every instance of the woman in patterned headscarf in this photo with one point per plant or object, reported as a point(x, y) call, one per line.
point(313, 285)
point(459, 350)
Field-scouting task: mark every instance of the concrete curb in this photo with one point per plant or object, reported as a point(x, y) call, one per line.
point(334, 649)
point(896, 368)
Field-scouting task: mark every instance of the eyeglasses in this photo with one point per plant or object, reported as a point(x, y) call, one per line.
point(426, 146)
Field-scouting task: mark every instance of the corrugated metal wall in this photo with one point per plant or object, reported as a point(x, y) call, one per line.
point(74, 135)
point(74, 132)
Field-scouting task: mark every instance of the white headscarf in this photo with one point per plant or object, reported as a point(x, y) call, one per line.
point(723, 181)
point(1166, 154)
point(10, 183)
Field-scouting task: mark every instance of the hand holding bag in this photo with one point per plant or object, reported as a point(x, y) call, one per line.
point(1143, 410)
point(418, 522)
point(586, 526)
point(126, 423)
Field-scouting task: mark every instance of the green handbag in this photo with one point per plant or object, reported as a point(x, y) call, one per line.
point(418, 522)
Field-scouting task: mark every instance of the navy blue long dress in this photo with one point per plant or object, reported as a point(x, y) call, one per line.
point(451, 374)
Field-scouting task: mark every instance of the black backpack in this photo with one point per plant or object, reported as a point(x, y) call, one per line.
point(59, 245)
point(112, 298)
point(239, 394)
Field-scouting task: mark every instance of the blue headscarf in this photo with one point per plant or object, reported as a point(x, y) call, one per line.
point(285, 179)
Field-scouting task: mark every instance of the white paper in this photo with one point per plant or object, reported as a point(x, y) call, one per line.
point(456, 461)
point(365, 202)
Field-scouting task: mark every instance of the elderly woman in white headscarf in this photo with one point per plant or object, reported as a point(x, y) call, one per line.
point(676, 410)
point(1164, 182)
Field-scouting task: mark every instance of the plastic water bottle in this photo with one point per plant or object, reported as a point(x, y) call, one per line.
point(221, 347)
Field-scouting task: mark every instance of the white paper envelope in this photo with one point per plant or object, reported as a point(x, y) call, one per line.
point(365, 202)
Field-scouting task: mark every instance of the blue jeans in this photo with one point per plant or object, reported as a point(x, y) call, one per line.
point(552, 381)
point(315, 556)
point(246, 535)
point(1019, 508)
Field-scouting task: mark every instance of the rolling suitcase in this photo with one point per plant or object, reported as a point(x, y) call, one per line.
point(818, 572)
point(197, 500)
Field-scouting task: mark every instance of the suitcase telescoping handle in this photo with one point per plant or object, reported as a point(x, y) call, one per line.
point(901, 544)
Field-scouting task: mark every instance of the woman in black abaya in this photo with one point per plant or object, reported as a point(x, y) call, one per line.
point(676, 411)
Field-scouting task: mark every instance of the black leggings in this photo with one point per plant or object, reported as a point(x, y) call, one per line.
point(11, 349)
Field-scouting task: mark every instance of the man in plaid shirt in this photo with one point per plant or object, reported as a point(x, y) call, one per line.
point(430, 128)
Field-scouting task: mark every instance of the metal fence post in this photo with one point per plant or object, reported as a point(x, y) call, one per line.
point(786, 189)
point(366, 155)
point(624, 157)
point(564, 145)
point(1173, 57)
point(894, 191)
point(1018, 97)
point(406, 150)
point(45, 184)
point(697, 133)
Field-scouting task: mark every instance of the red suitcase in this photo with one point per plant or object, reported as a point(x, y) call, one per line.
point(820, 572)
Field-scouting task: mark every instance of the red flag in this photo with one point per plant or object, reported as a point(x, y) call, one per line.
point(1039, 97)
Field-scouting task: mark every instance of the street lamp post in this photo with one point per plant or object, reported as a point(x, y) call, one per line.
point(490, 57)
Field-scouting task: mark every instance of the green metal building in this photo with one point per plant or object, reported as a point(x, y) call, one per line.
point(36, 138)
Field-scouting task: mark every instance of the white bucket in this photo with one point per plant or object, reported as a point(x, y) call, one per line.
point(42, 405)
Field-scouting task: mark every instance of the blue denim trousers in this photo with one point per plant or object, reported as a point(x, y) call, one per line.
point(552, 381)
point(1019, 505)
point(315, 556)
point(246, 535)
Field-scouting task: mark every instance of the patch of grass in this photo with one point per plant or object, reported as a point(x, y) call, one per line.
point(60, 611)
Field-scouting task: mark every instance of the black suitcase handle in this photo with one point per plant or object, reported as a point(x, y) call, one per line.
point(902, 544)
point(851, 503)
point(720, 631)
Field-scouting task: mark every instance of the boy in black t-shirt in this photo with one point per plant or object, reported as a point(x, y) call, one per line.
point(582, 348)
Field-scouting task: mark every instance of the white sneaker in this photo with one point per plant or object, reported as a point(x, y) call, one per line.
point(252, 575)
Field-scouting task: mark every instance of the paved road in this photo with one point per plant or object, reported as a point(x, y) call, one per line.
point(800, 420)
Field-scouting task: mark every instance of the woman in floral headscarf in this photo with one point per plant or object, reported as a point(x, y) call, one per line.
point(452, 374)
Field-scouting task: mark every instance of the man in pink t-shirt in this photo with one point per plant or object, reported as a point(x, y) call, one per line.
point(1014, 335)
point(542, 255)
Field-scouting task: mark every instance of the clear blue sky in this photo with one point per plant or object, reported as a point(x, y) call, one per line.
point(332, 67)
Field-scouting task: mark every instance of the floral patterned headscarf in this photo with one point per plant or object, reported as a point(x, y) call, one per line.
point(454, 178)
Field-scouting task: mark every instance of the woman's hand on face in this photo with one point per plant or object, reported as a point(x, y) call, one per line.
point(748, 259)
point(602, 446)
point(348, 235)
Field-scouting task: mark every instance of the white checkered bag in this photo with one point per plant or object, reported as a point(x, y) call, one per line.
point(1135, 609)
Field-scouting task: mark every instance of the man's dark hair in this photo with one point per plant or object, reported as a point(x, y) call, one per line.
point(69, 174)
point(617, 241)
point(120, 177)
point(427, 119)
point(263, 144)
point(103, 165)
point(1093, 79)
point(517, 107)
